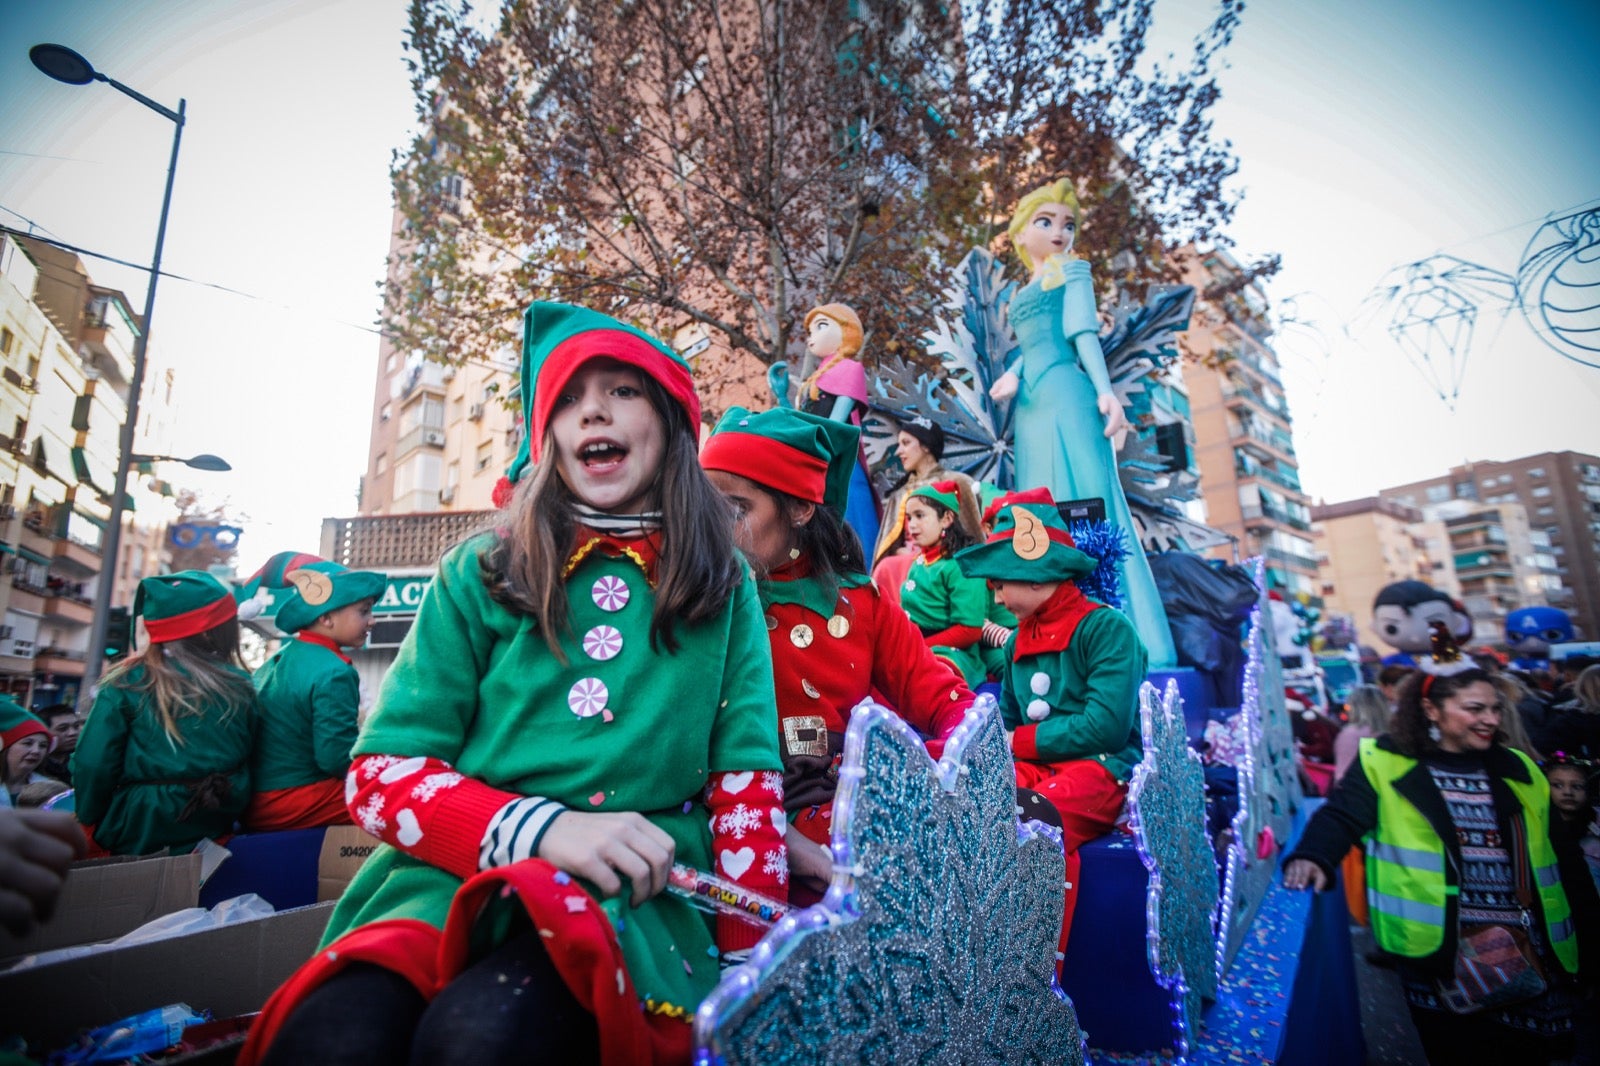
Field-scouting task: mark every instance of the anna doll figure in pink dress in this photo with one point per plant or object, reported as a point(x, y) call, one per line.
point(837, 390)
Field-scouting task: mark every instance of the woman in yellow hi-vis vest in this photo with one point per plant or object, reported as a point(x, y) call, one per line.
point(1463, 884)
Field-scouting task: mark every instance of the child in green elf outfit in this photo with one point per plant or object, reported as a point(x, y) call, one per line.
point(585, 698)
point(310, 692)
point(163, 761)
point(947, 606)
point(1070, 692)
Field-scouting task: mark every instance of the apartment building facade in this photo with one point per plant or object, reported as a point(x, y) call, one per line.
point(1559, 492)
point(1363, 545)
point(1243, 431)
point(66, 363)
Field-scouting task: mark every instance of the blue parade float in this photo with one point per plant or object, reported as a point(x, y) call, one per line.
point(936, 940)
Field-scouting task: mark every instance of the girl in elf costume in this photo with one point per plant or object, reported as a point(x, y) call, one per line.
point(24, 742)
point(310, 692)
point(835, 640)
point(948, 607)
point(585, 698)
point(163, 761)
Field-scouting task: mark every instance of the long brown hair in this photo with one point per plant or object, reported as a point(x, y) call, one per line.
point(698, 568)
point(183, 678)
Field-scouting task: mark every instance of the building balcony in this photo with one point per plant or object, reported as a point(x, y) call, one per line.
point(1258, 365)
point(55, 660)
point(69, 609)
point(1268, 445)
point(35, 534)
point(1292, 559)
point(26, 598)
point(1242, 397)
point(82, 557)
point(420, 437)
point(1259, 517)
point(1244, 466)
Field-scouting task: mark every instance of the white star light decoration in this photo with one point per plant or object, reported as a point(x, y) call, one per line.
point(936, 941)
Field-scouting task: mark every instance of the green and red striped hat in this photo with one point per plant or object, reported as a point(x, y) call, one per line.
point(559, 338)
point(1030, 542)
point(16, 722)
point(788, 451)
point(181, 605)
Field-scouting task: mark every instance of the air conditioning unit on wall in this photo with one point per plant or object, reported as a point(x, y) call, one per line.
point(434, 437)
point(475, 412)
point(447, 494)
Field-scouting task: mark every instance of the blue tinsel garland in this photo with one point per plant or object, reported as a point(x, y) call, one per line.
point(1107, 545)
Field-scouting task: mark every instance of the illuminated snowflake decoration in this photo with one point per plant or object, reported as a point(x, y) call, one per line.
point(936, 941)
point(1167, 808)
point(1269, 786)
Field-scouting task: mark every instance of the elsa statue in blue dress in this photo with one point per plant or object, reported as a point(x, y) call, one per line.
point(1067, 421)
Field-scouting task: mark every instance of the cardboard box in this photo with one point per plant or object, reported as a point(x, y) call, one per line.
point(107, 898)
point(228, 971)
point(344, 849)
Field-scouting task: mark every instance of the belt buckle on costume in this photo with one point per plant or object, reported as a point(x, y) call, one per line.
point(805, 734)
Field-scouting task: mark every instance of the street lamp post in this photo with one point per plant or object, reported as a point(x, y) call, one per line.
point(65, 65)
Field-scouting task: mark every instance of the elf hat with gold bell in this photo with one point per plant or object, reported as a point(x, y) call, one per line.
point(1030, 542)
point(318, 587)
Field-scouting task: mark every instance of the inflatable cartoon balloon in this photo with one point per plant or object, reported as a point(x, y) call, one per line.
point(1531, 630)
point(1402, 612)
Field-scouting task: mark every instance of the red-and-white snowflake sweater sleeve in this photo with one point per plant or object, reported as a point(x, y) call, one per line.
point(747, 828)
point(426, 809)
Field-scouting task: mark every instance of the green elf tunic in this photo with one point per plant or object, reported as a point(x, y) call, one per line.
point(310, 697)
point(621, 727)
point(1081, 701)
point(137, 788)
point(937, 596)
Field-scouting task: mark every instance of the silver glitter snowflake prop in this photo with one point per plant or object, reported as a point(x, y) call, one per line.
point(936, 941)
point(974, 343)
point(1167, 809)
point(1269, 786)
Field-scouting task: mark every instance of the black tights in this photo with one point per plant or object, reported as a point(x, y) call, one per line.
point(510, 1006)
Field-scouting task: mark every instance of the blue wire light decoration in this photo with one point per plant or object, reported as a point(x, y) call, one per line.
point(1558, 285)
point(1430, 309)
point(936, 940)
point(1167, 811)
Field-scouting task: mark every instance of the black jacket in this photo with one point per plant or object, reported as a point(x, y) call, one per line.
point(1352, 811)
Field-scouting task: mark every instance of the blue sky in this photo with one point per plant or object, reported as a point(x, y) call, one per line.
point(1370, 135)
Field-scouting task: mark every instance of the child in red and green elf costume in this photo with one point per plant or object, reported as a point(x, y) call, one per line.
point(163, 761)
point(586, 695)
point(310, 693)
point(835, 640)
point(949, 607)
point(1070, 690)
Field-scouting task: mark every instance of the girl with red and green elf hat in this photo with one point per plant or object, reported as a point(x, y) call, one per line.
point(310, 693)
point(947, 606)
point(163, 761)
point(1070, 691)
point(24, 742)
point(834, 639)
point(585, 697)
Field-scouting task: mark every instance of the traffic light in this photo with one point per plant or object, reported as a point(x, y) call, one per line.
point(119, 634)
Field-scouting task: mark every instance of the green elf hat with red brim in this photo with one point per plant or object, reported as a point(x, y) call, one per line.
point(181, 605)
point(946, 494)
point(319, 587)
point(16, 723)
point(1030, 542)
point(559, 338)
point(788, 451)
